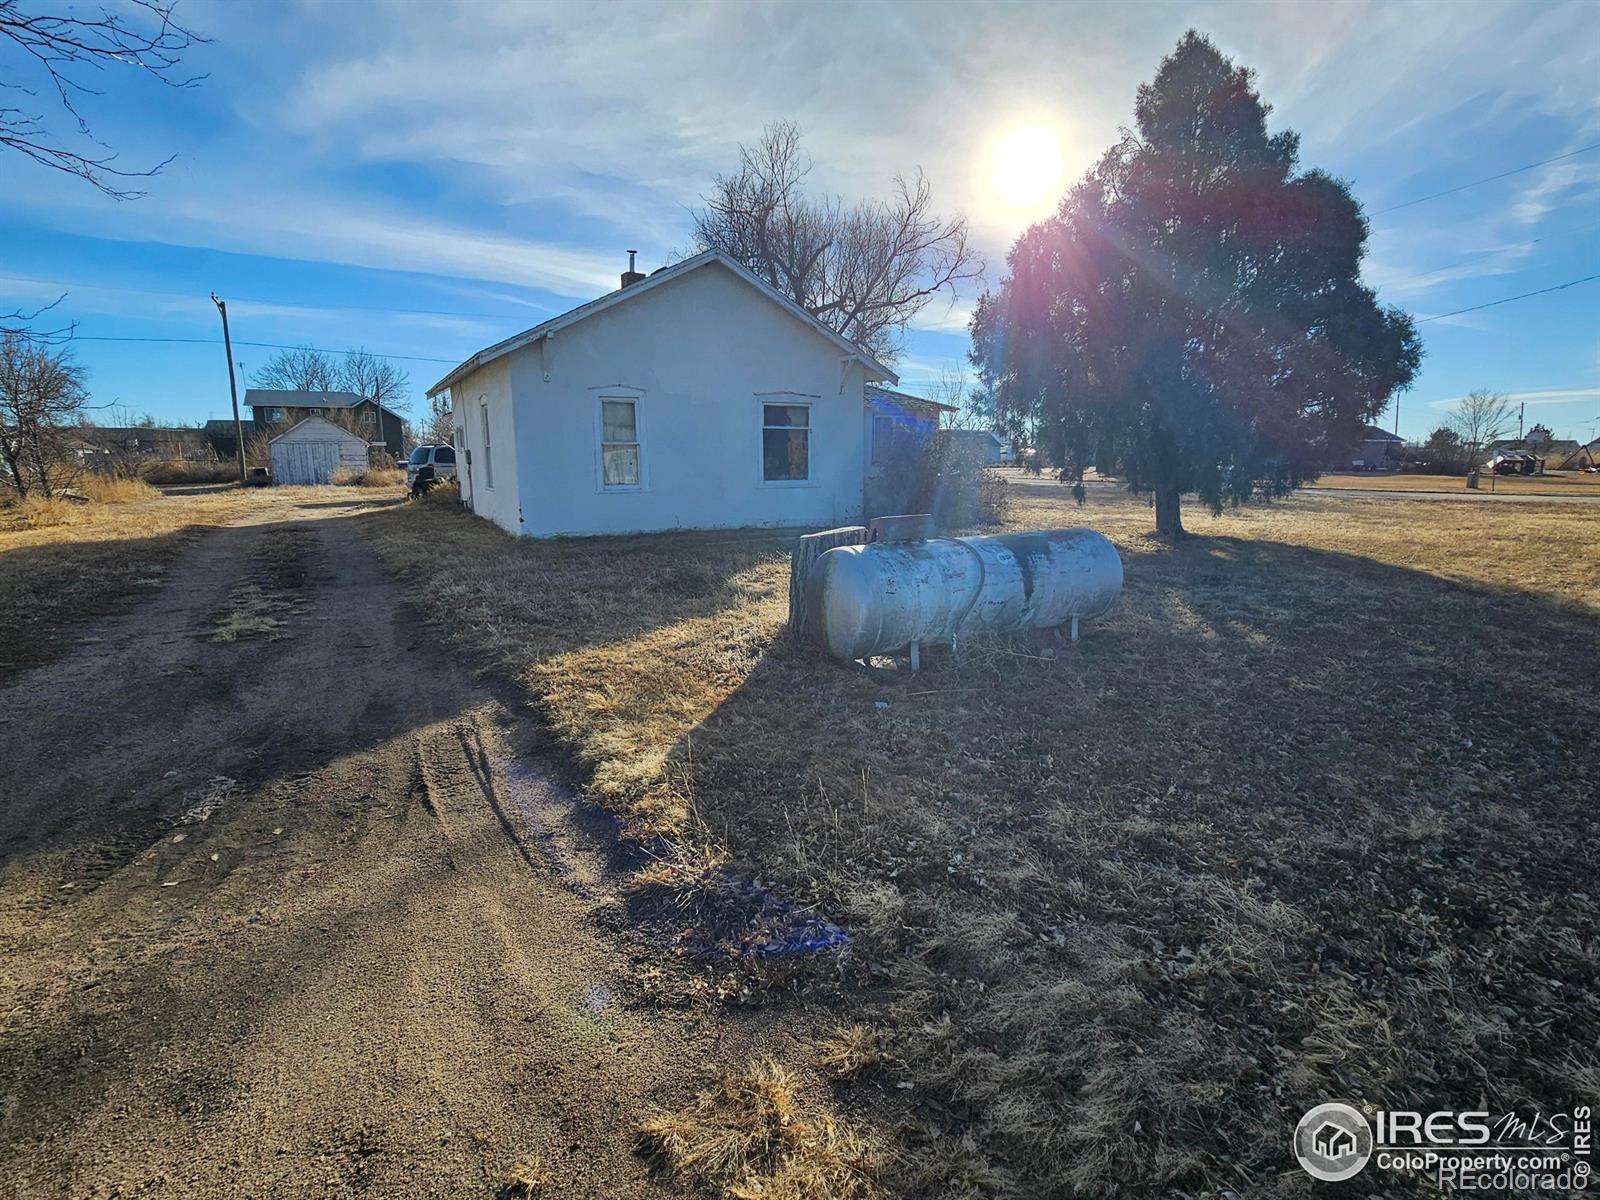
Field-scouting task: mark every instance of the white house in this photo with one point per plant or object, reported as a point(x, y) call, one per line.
point(694, 398)
point(312, 450)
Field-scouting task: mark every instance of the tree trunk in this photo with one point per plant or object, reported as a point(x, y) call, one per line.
point(1169, 516)
point(807, 550)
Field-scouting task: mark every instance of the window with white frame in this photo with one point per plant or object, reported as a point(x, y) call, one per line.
point(619, 442)
point(488, 456)
point(785, 443)
point(368, 417)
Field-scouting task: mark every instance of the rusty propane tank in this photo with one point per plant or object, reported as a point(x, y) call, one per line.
point(894, 597)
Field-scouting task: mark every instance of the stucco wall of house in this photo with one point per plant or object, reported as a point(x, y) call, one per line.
point(489, 388)
point(701, 355)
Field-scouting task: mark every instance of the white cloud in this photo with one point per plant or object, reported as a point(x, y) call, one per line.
point(1547, 396)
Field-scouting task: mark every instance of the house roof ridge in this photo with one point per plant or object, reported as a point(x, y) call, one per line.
point(655, 279)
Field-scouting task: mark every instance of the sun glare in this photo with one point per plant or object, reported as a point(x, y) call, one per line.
point(1026, 166)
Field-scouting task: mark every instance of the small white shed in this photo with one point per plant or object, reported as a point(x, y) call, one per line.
point(311, 451)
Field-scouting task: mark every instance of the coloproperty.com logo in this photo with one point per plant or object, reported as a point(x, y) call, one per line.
point(1458, 1151)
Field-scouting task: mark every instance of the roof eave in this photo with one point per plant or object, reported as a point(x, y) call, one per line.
point(875, 370)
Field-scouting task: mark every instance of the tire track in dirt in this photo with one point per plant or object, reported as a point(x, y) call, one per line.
point(314, 943)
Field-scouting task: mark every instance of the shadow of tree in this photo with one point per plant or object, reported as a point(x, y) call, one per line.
point(1288, 824)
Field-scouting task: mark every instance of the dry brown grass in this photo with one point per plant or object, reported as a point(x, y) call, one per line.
point(178, 471)
point(116, 489)
point(372, 477)
point(851, 1050)
point(1552, 483)
point(1295, 822)
point(754, 1136)
point(97, 558)
point(528, 1177)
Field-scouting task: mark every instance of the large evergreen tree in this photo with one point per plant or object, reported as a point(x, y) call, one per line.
point(1193, 314)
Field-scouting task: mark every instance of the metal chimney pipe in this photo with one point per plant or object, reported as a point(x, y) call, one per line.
point(631, 275)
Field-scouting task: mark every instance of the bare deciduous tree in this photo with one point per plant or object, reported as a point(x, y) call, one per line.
point(1481, 418)
point(439, 430)
point(41, 393)
point(60, 51)
point(373, 377)
point(299, 370)
point(863, 270)
point(305, 369)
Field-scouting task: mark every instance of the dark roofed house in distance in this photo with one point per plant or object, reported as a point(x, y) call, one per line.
point(275, 410)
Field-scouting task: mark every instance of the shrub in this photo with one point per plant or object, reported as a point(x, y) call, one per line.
point(372, 477)
point(178, 470)
point(116, 489)
point(939, 475)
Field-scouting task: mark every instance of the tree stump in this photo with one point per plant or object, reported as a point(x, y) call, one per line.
point(807, 549)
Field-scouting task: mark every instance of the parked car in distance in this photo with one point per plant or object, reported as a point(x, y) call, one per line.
point(441, 458)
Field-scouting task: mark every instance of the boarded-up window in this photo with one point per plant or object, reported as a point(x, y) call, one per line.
point(619, 442)
point(785, 442)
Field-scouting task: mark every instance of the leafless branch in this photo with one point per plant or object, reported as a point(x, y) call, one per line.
point(62, 50)
point(865, 270)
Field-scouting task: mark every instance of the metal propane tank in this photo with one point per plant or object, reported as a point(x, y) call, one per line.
point(893, 597)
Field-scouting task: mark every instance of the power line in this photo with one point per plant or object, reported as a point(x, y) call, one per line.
point(418, 312)
point(1560, 287)
point(262, 345)
point(1488, 179)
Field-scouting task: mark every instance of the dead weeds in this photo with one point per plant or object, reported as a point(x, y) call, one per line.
point(754, 1136)
point(1308, 816)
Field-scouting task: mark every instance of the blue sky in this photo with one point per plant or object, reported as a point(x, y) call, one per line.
point(423, 179)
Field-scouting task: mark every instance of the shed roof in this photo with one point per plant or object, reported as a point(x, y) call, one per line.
point(874, 392)
point(656, 279)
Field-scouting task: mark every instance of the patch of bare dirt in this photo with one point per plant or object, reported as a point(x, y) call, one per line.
point(306, 917)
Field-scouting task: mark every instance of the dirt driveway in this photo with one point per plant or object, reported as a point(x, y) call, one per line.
point(279, 914)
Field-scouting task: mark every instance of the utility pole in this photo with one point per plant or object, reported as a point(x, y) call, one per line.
point(1522, 411)
point(233, 386)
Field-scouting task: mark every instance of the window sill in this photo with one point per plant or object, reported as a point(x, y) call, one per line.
point(790, 483)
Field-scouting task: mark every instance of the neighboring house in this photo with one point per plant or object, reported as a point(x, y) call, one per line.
point(312, 450)
point(274, 411)
point(1376, 450)
point(1584, 458)
point(697, 397)
point(223, 438)
point(987, 442)
point(144, 443)
point(899, 425)
point(1551, 450)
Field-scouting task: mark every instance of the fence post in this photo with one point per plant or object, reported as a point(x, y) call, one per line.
point(807, 549)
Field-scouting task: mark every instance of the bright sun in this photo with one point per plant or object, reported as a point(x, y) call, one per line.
point(1027, 164)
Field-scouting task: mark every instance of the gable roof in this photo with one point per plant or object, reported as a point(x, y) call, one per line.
point(1371, 433)
point(337, 428)
point(883, 393)
point(297, 398)
point(659, 278)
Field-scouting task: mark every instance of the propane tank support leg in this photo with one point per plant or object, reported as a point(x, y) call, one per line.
point(1074, 626)
point(916, 656)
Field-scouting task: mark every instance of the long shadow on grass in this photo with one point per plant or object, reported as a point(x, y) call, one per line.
point(1289, 825)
